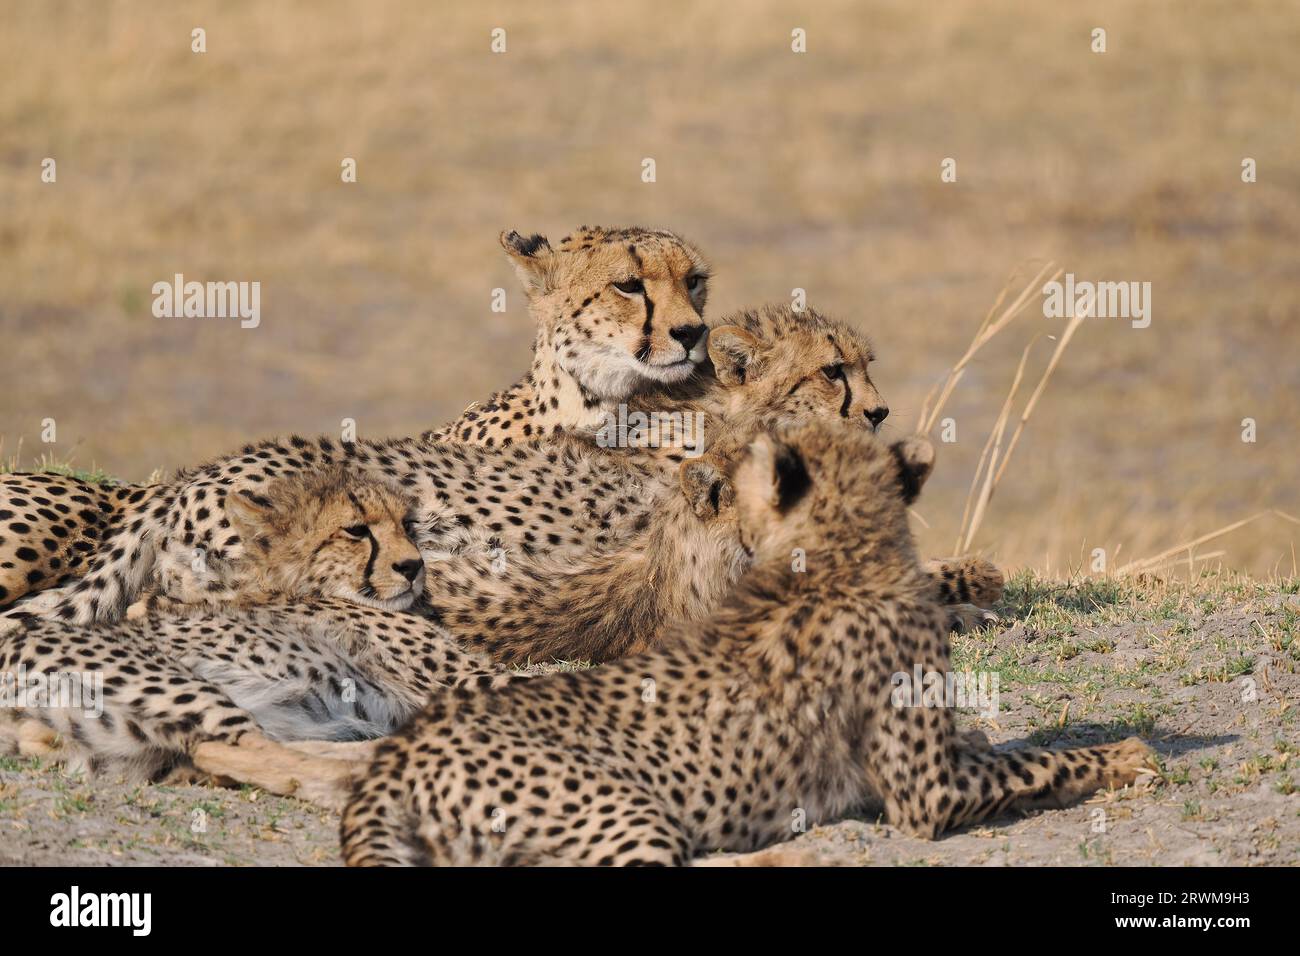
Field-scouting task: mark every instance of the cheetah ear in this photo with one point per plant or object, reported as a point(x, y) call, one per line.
point(915, 457)
point(252, 514)
point(706, 486)
point(532, 258)
point(775, 474)
point(792, 481)
point(732, 350)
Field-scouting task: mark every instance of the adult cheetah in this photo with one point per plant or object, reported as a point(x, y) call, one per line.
point(617, 312)
point(782, 705)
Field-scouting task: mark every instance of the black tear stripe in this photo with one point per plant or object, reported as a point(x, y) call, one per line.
point(848, 395)
point(644, 347)
point(374, 553)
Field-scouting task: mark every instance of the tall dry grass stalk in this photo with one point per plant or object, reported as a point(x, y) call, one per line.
point(992, 446)
point(1168, 556)
point(989, 328)
point(993, 460)
point(991, 484)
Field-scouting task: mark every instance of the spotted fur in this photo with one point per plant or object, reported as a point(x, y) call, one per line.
point(319, 669)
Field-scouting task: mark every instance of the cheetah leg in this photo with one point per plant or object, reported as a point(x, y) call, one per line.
point(772, 856)
point(1036, 777)
point(933, 778)
point(277, 769)
point(27, 737)
point(976, 784)
point(348, 750)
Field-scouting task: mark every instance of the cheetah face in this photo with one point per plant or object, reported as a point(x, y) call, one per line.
point(332, 535)
point(365, 553)
point(624, 307)
point(812, 373)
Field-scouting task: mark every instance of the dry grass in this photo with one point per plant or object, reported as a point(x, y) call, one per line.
point(818, 171)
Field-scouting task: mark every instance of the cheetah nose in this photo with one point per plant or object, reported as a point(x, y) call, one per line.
point(877, 415)
point(409, 569)
point(688, 335)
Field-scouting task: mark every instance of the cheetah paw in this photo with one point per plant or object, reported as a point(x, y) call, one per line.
point(968, 617)
point(1127, 760)
point(37, 740)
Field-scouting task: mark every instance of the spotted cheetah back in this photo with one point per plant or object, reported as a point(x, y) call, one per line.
point(50, 527)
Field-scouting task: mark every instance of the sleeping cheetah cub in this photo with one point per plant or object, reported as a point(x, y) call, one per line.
point(327, 534)
point(320, 668)
point(781, 702)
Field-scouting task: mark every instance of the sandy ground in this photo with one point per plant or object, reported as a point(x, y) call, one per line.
point(1210, 674)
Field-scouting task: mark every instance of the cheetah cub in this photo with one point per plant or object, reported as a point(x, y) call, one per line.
point(780, 704)
point(320, 534)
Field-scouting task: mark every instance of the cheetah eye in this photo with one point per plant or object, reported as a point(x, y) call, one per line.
point(833, 372)
point(357, 531)
point(694, 281)
point(631, 287)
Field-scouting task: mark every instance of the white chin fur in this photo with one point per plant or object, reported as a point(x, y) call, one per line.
point(613, 374)
point(669, 373)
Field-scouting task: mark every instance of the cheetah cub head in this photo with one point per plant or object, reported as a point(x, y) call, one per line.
point(786, 368)
point(825, 488)
point(330, 534)
point(620, 309)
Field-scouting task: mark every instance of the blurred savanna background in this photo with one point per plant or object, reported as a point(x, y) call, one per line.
point(817, 170)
